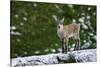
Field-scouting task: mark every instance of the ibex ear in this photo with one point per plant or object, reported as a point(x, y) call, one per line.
point(55, 17)
point(62, 20)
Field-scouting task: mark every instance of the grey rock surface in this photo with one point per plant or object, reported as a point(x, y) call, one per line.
point(88, 55)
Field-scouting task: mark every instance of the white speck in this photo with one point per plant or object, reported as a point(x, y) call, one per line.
point(81, 19)
point(91, 34)
point(70, 5)
point(59, 9)
point(21, 24)
point(84, 41)
point(84, 26)
point(16, 15)
point(88, 17)
point(18, 40)
point(82, 13)
point(46, 50)
point(95, 37)
point(69, 46)
point(57, 6)
point(88, 22)
point(53, 50)
point(15, 33)
point(12, 32)
point(25, 53)
point(94, 13)
point(16, 54)
point(90, 41)
point(82, 31)
point(56, 44)
point(74, 20)
point(13, 28)
point(73, 45)
point(35, 5)
point(89, 8)
point(24, 18)
point(71, 49)
point(59, 49)
point(37, 52)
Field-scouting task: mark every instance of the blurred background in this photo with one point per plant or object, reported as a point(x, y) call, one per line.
point(33, 28)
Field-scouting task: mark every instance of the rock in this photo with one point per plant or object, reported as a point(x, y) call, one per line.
point(88, 55)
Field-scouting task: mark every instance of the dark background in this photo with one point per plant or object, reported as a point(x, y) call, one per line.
point(33, 29)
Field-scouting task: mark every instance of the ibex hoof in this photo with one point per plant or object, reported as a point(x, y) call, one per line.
point(64, 52)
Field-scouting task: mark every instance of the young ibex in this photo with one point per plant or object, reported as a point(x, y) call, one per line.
point(66, 31)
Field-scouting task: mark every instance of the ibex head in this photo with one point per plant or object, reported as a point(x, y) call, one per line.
point(59, 21)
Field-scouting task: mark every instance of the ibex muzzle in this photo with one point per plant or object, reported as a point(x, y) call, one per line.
point(67, 31)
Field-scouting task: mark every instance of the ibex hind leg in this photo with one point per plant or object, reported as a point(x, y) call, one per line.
point(62, 46)
point(77, 44)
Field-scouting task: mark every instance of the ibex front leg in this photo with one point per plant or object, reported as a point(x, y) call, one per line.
point(62, 43)
point(66, 45)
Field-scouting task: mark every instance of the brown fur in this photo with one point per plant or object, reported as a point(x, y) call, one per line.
point(66, 31)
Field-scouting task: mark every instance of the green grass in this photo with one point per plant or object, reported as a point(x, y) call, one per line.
point(38, 28)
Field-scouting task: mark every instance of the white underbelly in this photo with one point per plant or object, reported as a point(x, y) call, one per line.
point(64, 35)
point(70, 35)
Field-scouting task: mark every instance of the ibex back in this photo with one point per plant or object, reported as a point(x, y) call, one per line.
point(66, 31)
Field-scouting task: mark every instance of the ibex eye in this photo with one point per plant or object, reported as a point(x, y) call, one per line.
point(58, 26)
